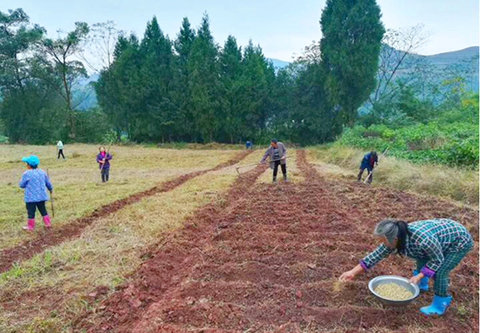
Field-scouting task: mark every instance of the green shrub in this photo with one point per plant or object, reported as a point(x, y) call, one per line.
point(454, 144)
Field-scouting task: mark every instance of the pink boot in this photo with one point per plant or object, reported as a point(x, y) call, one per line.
point(46, 220)
point(30, 224)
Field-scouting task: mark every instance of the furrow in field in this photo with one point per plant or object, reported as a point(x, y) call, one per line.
point(270, 260)
point(173, 260)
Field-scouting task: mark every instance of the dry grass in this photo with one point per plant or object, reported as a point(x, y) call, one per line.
point(105, 252)
point(76, 181)
point(450, 183)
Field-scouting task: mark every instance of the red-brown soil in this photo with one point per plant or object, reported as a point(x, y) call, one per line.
point(268, 257)
point(57, 235)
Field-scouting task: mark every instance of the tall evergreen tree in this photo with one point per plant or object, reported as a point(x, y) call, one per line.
point(204, 81)
point(350, 46)
point(231, 74)
point(184, 117)
point(313, 118)
point(254, 91)
point(183, 43)
point(157, 113)
point(117, 88)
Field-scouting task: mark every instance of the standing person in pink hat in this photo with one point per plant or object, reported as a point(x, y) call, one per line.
point(34, 181)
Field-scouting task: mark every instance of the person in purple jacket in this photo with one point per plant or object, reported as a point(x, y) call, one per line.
point(103, 160)
point(34, 181)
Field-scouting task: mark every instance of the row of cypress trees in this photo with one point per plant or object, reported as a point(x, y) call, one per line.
point(191, 89)
point(187, 89)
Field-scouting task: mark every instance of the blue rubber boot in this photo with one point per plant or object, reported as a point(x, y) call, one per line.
point(438, 306)
point(423, 284)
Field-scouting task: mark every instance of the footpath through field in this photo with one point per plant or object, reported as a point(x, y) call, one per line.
point(268, 257)
point(57, 235)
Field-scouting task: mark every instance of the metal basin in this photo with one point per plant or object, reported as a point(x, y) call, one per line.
point(413, 288)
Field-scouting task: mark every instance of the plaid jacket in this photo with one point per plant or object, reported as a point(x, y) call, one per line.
point(430, 239)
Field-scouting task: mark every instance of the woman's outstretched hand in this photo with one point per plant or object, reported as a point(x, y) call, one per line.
point(347, 276)
point(350, 275)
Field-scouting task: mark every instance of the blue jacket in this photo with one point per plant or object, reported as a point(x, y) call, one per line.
point(368, 161)
point(34, 182)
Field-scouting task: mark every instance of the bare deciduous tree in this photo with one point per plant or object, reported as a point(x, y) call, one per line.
point(99, 46)
point(399, 56)
point(311, 54)
point(62, 52)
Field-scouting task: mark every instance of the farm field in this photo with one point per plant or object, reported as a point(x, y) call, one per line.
point(178, 241)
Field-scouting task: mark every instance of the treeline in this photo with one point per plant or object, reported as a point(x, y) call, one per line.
point(190, 88)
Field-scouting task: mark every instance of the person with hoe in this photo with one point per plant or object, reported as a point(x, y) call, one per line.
point(103, 160)
point(437, 245)
point(368, 162)
point(60, 149)
point(278, 157)
point(34, 181)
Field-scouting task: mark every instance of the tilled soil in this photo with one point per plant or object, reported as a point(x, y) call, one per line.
point(268, 258)
point(57, 235)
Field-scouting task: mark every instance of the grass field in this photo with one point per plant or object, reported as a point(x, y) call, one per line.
point(78, 189)
point(128, 269)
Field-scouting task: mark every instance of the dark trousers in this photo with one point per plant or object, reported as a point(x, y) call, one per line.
point(359, 177)
point(275, 170)
point(60, 152)
point(105, 173)
point(32, 207)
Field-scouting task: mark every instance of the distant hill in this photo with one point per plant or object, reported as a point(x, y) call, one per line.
point(453, 57)
point(278, 64)
point(464, 61)
point(441, 59)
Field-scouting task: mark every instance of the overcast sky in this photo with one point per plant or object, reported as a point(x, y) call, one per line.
point(281, 27)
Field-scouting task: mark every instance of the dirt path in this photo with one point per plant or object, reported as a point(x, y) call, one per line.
point(268, 258)
point(72, 230)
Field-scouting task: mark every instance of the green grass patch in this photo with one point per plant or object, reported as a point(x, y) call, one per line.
point(77, 186)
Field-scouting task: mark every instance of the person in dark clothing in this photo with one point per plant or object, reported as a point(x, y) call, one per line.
point(368, 162)
point(249, 144)
point(103, 160)
point(278, 157)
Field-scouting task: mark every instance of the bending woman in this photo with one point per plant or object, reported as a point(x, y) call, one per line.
point(437, 245)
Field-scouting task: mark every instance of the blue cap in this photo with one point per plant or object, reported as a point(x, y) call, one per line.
point(274, 140)
point(31, 160)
